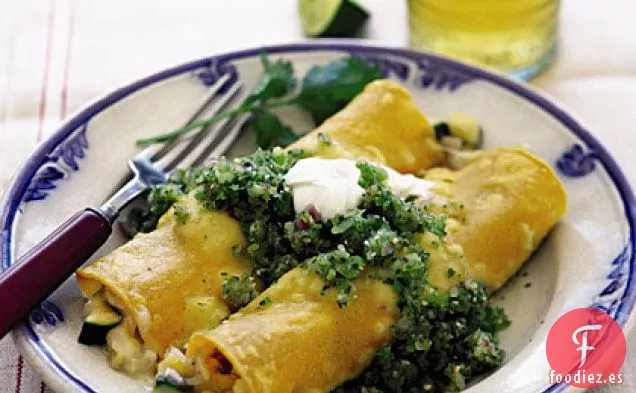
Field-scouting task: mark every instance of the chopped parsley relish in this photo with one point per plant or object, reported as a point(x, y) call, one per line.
point(441, 340)
point(238, 290)
point(159, 200)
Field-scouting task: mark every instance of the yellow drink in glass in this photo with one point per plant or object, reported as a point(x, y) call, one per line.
point(517, 37)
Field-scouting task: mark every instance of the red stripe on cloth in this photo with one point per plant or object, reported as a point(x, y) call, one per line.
point(63, 92)
point(47, 66)
point(65, 79)
point(18, 374)
point(67, 61)
point(41, 113)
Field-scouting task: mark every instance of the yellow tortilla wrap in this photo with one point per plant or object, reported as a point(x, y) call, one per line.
point(511, 199)
point(383, 125)
point(166, 278)
point(299, 341)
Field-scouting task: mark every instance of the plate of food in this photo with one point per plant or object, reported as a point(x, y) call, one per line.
point(385, 221)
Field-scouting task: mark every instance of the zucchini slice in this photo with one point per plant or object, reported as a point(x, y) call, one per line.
point(467, 128)
point(101, 318)
point(167, 388)
point(165, 385)
point(331, 18)
point(441, 129)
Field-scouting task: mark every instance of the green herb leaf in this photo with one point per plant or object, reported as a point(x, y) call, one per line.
point(181, 214)
point(158, 201)
point(278, 81)
point(238, 291)
point(338, 269)
point(270, 131)
point(342, 223)
point(327, 89)
point(370, 174)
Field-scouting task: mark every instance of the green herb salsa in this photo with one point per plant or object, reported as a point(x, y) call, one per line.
point(442, 339)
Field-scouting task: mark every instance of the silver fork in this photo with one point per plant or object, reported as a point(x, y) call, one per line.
point(45, 267)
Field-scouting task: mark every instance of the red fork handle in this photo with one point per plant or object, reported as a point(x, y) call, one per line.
point(24, 285)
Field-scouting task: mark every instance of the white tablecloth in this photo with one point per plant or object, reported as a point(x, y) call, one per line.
point(55, 55)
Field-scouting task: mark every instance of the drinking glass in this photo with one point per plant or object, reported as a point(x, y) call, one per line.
point(517, 37)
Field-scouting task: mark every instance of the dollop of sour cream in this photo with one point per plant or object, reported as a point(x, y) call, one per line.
point(331, 185)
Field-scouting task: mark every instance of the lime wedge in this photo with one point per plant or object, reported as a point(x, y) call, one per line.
point(331, 18)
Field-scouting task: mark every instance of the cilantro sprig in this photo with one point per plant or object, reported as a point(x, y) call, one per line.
point(323, 91)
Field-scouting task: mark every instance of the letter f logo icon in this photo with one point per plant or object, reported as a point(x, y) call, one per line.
point(584, 348)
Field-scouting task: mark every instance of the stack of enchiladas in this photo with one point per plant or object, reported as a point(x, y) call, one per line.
point(352, 260)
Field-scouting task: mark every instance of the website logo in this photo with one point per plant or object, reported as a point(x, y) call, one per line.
point(586, 348)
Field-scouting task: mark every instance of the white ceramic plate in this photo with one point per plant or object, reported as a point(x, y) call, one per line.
point(588, 260)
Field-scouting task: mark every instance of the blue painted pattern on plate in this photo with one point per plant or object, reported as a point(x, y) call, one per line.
point(575, 162)
point(58, 165)
point(610, 297)
point(216, 69)
point(48, 313)
point(439, 76)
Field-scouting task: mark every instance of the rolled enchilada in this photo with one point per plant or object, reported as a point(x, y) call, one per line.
point(511, 199)
point(382, 124)
point(166, 283)
point(295, 341)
